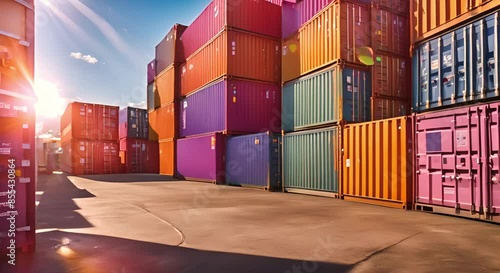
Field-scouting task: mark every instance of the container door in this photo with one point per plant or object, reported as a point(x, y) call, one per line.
point(492, 192)
point(86, 122)
point(448, 152)
point(491, 51)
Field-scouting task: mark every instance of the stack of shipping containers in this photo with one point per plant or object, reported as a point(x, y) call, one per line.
point(137, 153)
point(89, 139)
point(17, 130)
point(230, 86)
point(163, 96)
point(455, 101)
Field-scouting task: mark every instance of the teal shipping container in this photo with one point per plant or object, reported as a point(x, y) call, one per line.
point(311, 161)
point(336, 94)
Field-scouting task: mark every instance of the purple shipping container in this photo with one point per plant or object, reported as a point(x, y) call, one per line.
point(457, 161)
point(296, 14)
point(258, 17)
point(202, 158)
point(170, 50)
point(233, 106)
point(151, 71)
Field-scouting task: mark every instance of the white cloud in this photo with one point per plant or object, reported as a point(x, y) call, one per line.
point(141, 105)
point(86, 58)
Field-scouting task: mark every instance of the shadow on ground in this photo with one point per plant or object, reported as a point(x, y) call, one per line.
point(57, 208)
point(103, 254)
point(128, 178)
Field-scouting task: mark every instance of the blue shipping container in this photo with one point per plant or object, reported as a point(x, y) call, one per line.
point(133, 123)
point(459, 66)
point(254, 160)
point(338, 93)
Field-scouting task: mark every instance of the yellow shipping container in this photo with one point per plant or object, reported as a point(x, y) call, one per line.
point(377, 162)
point(290, 58)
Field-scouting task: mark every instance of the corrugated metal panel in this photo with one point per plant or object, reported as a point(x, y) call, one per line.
point(170, 50)
point(391, 76)
point(133, 123)
point(254, 16)
point(18, 171)
point(430, 17)
point(398, 6)
point(167, 154)
point(327, 97)
point(390, 32)
point(167, 86)
point(297, 14)
point(202, 158)
point(491, 187)
point(337, 32)
point(139, 155)
point(107, 122)
point(231, 106)
point(311, 160)
point(459, 66)
point(151, 96)
point(166, 118)
point(90, 157)
point(383, 108)
point(254, 160)
point(290, 58)
point(151, 70)
point(377, 162)
point(236, 54)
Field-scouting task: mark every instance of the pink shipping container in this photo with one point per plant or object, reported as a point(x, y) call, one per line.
point(18, 173)
point(235, 54)
point(139, 155)
point(259, 17)
point(458, 161)
point(297, 14)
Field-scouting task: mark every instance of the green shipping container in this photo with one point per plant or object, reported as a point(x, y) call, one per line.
point(338, 93)
point(311, 161)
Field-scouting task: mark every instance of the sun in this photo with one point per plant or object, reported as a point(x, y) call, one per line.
point(49, 102)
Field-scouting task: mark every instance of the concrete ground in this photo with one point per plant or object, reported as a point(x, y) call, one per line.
point(150, 223)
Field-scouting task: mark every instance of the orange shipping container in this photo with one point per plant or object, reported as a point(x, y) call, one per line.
point(153, 128)
point(377, 165)
point(290, 59)
point(167, 86)
point(431, 17)
point(167, 156)
point(340, 31)
point(391, 77)
point(166, 119)
point(232, 53)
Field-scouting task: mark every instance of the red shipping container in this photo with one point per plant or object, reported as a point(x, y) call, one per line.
point(390, 32)
point(17, 172)
point(139, 155)
point(89, 121)
point(169, 50)
point(259, 17)
point(391, 77)
point(90, 157)
point(234, 54)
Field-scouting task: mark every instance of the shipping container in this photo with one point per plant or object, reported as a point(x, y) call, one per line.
point(254, 161)
point(459, 66)
point(491, 188)
point(231, 106)
point(336, 94)
point(18, 172)
point(152, 96)
point(236, 54)
point(167, 153)
point(391, 76)
point(290, 58)
point(166, 121)
point(133, 123)
point(276, 2)
point(81, 157)
point(201, 158)
point(311, 161)
point(384, 108)
point(390, 31)
point(258, 17)
point(377, 162)
point(294, 15)
point(398, 6)
point(432, 17)
point(167, 86)
point(151, 70)
point(170, 49)
point(153, 127)
point(89, 121)
point(340, 31)
point(139, 155)
point(16, 67)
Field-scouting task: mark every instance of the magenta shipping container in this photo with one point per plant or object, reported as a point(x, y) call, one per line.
point(259, 17)
point(457, 161)
point(296, 14)
point(151, 71)
point(202, 158)
point(233, 106)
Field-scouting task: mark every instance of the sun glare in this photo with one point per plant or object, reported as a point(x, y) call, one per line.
point(49, 103)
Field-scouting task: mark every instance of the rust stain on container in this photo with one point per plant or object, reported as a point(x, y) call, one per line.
point(377, 167)
point(431, 17)
point(232, 53)
point(167, 156)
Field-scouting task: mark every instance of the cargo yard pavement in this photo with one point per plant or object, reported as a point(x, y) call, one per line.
point(152, 223)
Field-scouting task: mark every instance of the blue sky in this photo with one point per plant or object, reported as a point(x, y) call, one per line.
point(97, 50)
